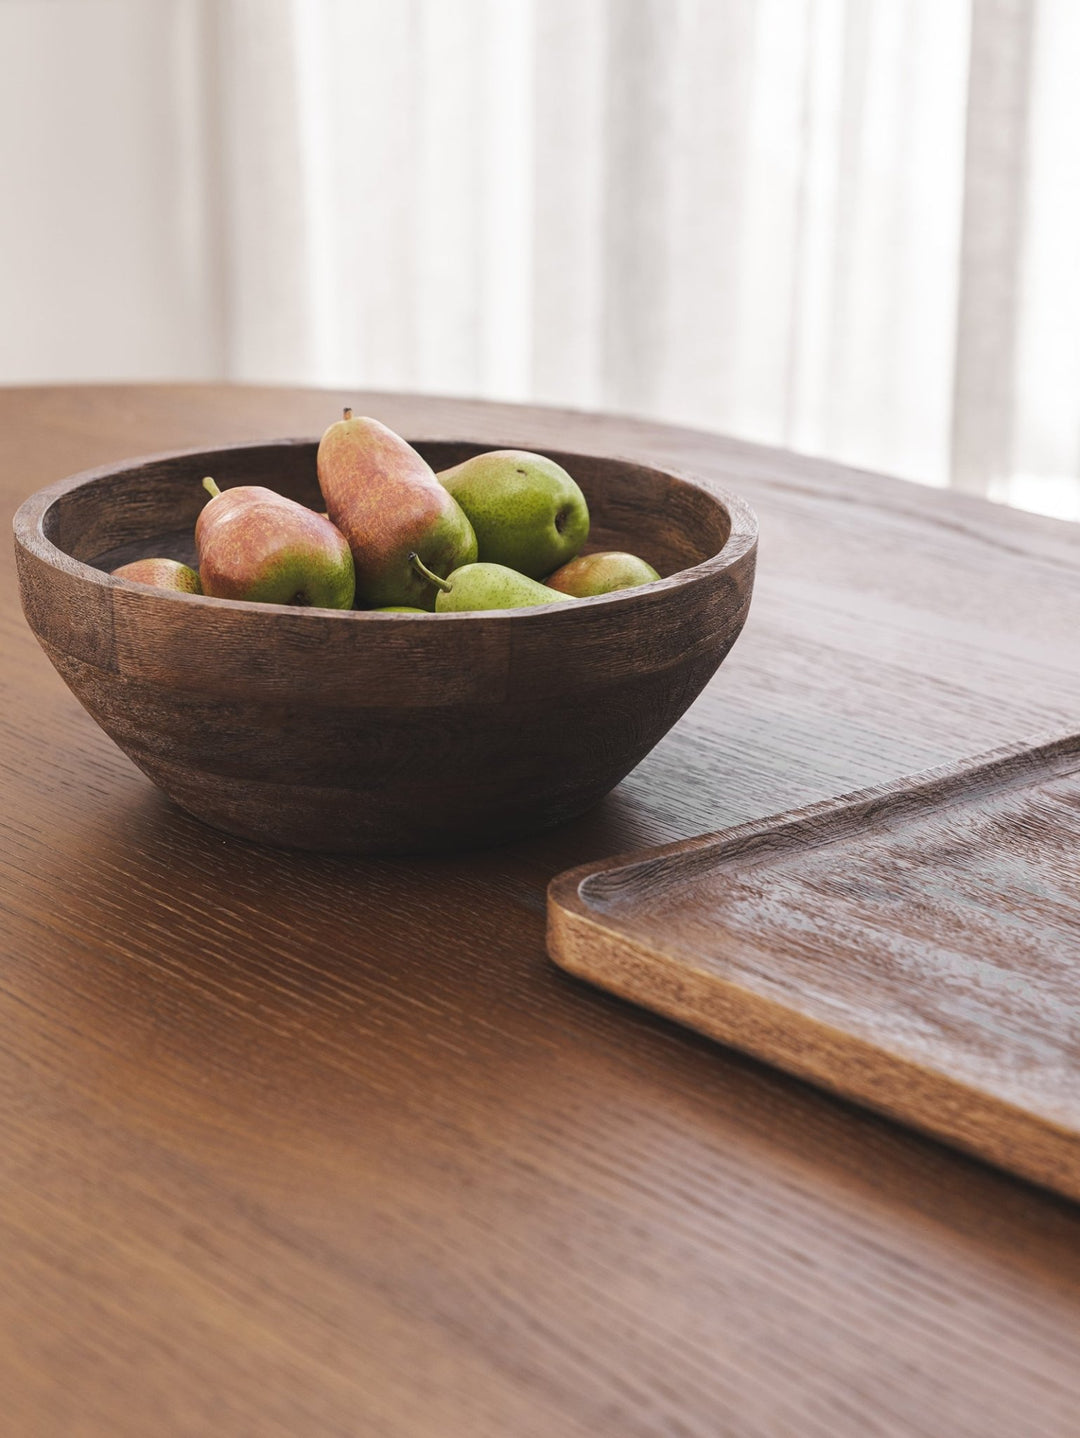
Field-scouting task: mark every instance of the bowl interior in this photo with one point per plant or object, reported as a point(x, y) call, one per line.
point(151, 507)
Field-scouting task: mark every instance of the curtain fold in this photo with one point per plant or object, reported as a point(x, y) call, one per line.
point(848, 226)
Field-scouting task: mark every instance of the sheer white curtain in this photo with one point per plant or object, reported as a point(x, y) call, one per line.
point(848, 226)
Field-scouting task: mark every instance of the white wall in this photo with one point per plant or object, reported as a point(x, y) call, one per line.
point(104, 268)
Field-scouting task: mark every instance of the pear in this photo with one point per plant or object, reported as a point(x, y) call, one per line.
point(526, 510)
point(399, 609)
point(386, 501)
point(255, 544)
point(162, 574)
point(491, 586)
point(591, 574)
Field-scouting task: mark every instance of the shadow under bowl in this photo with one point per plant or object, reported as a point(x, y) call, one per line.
point(378, 733)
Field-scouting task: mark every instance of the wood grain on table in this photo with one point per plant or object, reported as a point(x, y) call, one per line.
point(303, 1145)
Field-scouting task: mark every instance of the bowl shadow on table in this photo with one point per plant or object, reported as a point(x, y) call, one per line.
point(346, 998)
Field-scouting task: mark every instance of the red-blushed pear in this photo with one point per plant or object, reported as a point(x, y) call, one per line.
point(257, 545)
point(591, 574)
point(386, 501)
point(162, 574)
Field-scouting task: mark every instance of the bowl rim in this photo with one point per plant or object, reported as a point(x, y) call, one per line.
point(29, 520)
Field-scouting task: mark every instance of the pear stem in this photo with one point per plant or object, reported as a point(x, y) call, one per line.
point(421, 568)
point(347, 412)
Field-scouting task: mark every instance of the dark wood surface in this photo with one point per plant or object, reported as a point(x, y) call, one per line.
point(915, 947)
point(355, 732)
point(303, 1145)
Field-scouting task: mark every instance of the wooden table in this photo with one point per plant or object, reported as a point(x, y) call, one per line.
point(304, 1146)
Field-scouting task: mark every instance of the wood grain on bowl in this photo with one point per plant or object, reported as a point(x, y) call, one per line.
point(365, 732)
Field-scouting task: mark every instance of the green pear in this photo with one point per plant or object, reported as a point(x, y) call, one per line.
point(399, 609)
point(385, 499)
point(162, 574)
point(591, 574)
point(491, 586)
point(257, 545)
point(526, 510)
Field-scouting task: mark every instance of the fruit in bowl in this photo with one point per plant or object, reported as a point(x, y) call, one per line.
point(389, 519)
point(371, 731)
point(527, 512)
point(400, 522)
point(255, 544)
point(490, 586)
point(161, 574)
point(591, 574)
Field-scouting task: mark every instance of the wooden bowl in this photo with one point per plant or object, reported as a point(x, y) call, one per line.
point(378, 733)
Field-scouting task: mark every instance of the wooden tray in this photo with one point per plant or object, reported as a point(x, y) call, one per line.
point(915, 948)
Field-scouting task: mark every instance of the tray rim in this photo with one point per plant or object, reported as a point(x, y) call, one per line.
point(897, 799)
point(976, 1121)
